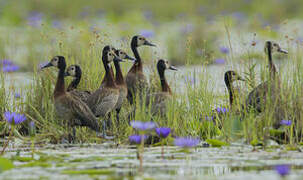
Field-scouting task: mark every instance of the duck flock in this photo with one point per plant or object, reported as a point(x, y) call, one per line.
point(84, 108)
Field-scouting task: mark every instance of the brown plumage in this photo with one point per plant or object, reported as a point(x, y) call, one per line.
point(270, 89)
point(135, 78)
point(159, 100)
point(104, 99)
point(120, 82)
point(68, 107)
point(76, 72)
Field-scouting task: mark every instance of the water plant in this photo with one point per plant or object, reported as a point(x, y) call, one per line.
point(143, 128)
point(186, 142)
point(282, 169)
point(163, 133)
point(12, 119)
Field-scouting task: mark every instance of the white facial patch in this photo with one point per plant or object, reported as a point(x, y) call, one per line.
point(140, 41)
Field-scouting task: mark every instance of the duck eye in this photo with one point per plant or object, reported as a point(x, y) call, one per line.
point(109, 54)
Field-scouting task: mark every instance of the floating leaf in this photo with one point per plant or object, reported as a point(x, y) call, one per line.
point(215, 142)
point(5, 164)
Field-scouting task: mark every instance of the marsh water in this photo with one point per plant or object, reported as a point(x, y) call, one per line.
point(107, 161)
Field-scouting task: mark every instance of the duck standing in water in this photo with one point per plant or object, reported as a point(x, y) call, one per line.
point(229, 78)
point(68, 107)
point(159, 100)
point(135, 79)
point(76, 72)
point(258, 96)
point(104, 99)
point(119, 79)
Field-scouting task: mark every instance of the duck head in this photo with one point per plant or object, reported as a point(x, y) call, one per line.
point(73, 71)
point(139, 40)
point(162, 65)
point(123, 55)
point(274, 47)
point(109, 57)
point(57, 61)
point(232, 76)
point(108, 48)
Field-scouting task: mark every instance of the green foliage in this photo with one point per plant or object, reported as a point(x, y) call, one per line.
point(5, 164)
point(215, 142)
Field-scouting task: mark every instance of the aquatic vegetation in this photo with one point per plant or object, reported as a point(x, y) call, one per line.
point(14, 118)
point(219, 61)
point(283, 169)
point(224, 50)
point(5, 164)
point(137, 139)
point(163, 133)
point(17, 95)
point(186, 142)
point(143, 126)
point(286, 122)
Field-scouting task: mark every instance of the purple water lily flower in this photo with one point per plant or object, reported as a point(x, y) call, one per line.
point(286, 122)
point(222, 110)
point(224, 50)
point(143, 126)
point(35, 19)
point(136, 138)
point(15, 118)
point(17, 95)
point(282, 169)
point(5, 62)
point(163, 132)
point(10, 68)
point(186, 142)
point(147, 33)
point(219, 61)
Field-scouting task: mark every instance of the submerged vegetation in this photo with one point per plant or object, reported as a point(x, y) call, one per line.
point(200, 105)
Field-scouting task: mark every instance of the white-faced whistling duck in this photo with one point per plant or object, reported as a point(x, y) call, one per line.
point(229, 78)
point(135, 78)
point(69, 107)
point(257, 97)
point(104, 99)
point(76, 72)
point(104, 51)
point(159, 99)
point(119, 79)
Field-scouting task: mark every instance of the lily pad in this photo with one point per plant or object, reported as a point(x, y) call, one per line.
point(5, 164)
point(215, 142)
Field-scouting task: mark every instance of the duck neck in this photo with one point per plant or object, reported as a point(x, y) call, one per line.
point(138, 64)
point(109, 76)
point(74, 84)
point(60, 88)
point(119, 75)
point(230, 89)
point(272, 67)
point(164, 85)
